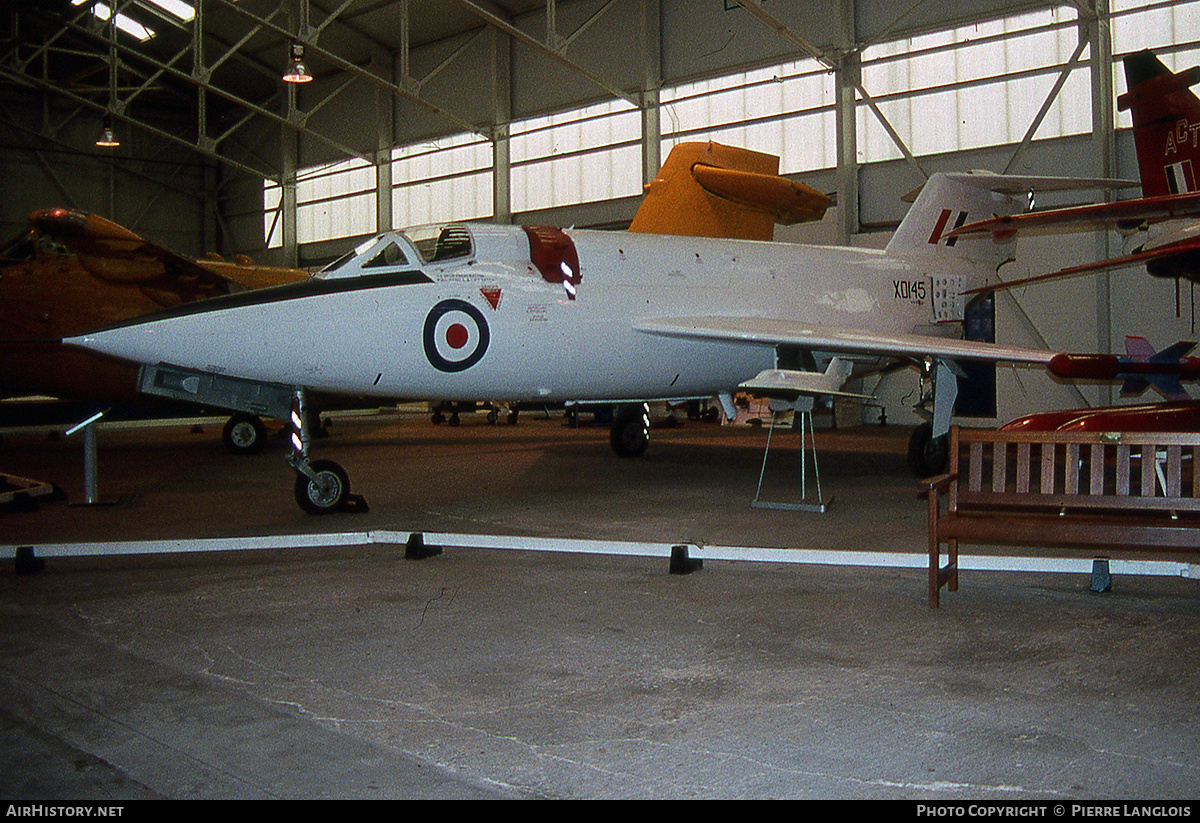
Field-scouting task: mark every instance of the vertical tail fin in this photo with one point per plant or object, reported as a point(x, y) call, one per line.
point(1166, 124)
point(711, 190)
point(947, 202)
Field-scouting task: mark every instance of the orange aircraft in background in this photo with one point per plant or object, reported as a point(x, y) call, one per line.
point(712, 190)
point(74, 271)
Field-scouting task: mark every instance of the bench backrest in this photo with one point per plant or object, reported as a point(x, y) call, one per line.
point(1113, 470)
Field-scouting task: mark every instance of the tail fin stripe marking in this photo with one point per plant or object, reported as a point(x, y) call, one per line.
point(958, 224)
point(939, 227)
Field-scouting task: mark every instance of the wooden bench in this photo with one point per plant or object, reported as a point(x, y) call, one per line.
point(1115, 491)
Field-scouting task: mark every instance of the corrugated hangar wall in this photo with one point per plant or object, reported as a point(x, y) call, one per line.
point(485, 75)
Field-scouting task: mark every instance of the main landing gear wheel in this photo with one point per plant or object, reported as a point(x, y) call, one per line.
point(927, 455)
point(630, 432)
point(244, 434)
point(327, 493)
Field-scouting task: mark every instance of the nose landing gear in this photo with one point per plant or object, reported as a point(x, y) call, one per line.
point(322, 486)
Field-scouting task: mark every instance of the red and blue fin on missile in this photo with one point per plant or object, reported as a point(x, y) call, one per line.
point(1139, 350)
point(1140, 368)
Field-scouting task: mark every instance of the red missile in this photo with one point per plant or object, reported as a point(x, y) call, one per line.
point(1111, 367)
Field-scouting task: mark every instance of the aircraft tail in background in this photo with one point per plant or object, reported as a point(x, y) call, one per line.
point(711, 190)
point(1166, 124)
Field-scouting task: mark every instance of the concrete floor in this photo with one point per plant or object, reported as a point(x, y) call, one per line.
point(347, 671)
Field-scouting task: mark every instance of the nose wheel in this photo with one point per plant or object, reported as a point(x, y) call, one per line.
point(324, 488)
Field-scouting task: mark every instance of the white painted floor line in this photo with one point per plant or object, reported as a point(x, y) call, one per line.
point(300, 541)
point(906, 560)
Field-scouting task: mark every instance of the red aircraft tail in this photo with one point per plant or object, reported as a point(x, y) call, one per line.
point(1166, 124)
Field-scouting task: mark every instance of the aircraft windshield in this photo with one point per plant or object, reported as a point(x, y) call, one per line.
point(388, 254)
point(26, 246)
point(348, 256)
point(395, 250)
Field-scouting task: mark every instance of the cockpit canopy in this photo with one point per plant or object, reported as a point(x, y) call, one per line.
point(402, 251)
point(542, 250)
point(27, 245)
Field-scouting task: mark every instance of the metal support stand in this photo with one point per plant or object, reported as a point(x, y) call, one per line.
point(806, 435)
point(91, 462)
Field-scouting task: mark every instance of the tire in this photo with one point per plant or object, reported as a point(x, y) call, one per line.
point(244, 434)
point(630, 432)
point(318, 499)
point(927, 455)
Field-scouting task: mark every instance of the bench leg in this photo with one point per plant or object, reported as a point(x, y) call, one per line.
point(939, 576)
point(952, 564)
point(935, 565)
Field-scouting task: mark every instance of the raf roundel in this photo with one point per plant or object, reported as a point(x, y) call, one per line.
point(456, 336)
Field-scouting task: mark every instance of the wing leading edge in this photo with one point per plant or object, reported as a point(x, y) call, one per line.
point(774, 332)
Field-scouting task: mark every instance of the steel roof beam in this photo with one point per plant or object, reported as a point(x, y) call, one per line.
point(756, 10)
point(117, 108)
point(358, 71)
point(549, 48)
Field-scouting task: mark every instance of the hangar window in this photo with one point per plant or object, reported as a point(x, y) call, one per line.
point(332, 200)
point(125, 23)
point(450, 179)
point(1171, 29)
point(335, 200)
point(973, 86)
point(785, 110)
point(184, 11)
point(446, 179)
point(580, 156)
